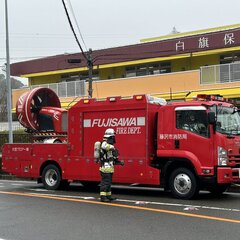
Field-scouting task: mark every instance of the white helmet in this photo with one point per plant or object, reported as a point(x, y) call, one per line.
point(109, 133)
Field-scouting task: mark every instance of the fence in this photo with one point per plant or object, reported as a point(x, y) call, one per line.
point(15, 126)
point(224, 73)
point(66, 89)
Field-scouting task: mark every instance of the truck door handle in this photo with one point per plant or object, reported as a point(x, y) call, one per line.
point(177, 143)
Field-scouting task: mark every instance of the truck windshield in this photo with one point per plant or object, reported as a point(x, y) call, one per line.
point(228, 120)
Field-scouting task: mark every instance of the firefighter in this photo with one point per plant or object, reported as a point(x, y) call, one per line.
point(195, 126)
point(109, 158)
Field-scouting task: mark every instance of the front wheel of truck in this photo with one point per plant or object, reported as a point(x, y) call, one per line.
point(183, 184)
point(51, 177)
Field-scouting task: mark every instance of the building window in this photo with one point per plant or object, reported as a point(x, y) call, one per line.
point(70, 77)
point(149, 69)
point(95, 75)
point(79, 76)
point(229, 58)
point(131, 71)
point(141, 70)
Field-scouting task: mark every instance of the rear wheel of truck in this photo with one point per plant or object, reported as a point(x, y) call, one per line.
point(51, 177)
point(183, 184)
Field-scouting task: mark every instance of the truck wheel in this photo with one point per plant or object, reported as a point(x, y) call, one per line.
point(183, 184)
point(51, 177)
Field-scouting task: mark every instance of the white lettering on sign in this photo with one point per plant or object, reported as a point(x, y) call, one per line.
point(20, 149)
point(180, 46)
point(56, 116)
point(114, 122)
point(170, 136)
point(131, 125)
point(128, 130)
point(229, 38)
point(203, 42)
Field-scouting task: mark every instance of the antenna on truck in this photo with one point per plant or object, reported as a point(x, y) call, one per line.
point(187, 95)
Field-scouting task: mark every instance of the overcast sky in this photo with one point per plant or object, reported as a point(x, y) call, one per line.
point(39, 28)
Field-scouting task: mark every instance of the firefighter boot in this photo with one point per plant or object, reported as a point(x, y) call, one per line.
point(104, 199)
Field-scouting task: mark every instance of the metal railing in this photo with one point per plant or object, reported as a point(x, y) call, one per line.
point(15, 126)
point(223, 73)
point(66, 89)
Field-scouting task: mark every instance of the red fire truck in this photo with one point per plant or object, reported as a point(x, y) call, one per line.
point(182, 146)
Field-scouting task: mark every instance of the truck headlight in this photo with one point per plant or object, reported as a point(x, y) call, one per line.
point(222, 156)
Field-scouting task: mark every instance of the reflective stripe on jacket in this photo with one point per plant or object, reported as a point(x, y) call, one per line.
point(107, 160)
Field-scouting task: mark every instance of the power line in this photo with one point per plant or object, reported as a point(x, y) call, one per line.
point(72, 28)
point(69, 2)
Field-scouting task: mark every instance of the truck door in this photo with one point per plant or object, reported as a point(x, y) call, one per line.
point(193, 133)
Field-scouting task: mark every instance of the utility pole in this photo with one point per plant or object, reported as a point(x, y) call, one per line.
point(90, 72)
point(8, 79)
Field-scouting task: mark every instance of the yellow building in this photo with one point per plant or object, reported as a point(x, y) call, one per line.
point(177, 66)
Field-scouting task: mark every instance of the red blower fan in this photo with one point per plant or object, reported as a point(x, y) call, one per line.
point(30, 103)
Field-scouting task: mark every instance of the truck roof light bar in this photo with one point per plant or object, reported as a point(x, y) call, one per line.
point(139, 97)
point(112, 99)
point(86, 101)
point(213, 97)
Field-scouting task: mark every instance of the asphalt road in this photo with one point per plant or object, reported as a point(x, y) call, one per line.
point(29, 212)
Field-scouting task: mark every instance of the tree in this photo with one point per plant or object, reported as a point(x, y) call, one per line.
point(3, 95)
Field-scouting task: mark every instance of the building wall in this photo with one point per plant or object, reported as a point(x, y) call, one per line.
point(152, 84)
point(193, 63)
point(175, 85)
point(45, 79)
point(112, 73)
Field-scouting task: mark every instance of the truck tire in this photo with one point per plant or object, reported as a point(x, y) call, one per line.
point(183, 184)
point(51, 177)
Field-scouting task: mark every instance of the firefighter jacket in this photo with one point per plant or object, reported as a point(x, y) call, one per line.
point(107, 159)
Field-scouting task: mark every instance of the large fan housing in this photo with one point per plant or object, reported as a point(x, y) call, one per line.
point(30, 103)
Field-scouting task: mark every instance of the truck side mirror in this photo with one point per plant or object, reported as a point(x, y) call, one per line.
point(211, 118)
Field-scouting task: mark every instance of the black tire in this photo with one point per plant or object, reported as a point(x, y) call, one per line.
point(218, 190)
point(51, 177)
point(183, 184)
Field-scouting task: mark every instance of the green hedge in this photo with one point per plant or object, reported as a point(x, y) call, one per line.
point(17, 138)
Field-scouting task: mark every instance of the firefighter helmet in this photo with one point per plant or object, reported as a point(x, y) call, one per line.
point(109, 133)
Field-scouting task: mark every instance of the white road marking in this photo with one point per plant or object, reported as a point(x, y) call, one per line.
point(192, 207)
point(38, 190)
point(16, 181)
point(137, 202)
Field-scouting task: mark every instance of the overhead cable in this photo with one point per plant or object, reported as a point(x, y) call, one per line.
point(72, 28)
point(76, 23)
